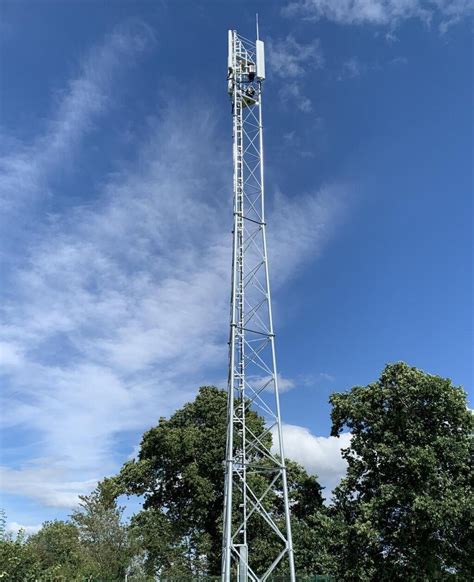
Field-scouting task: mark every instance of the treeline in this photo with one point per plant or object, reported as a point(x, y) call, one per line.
point(93, 545)
point(403, 511)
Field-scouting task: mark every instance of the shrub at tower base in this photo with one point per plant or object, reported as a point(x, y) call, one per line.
point(403, 512)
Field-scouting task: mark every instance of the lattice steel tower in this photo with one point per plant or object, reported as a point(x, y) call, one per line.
point(255, 478)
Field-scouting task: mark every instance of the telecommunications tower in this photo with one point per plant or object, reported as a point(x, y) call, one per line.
point(255, 475)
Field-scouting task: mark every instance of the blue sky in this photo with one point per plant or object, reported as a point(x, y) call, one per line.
point(115, 193)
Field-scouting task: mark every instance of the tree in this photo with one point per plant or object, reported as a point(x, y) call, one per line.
point(3, 524)
point(17, 562)
point(57, 551)
point(311, 523)
point(103, 538)
point(180, 474)
point(94, 546)
point(403, 510)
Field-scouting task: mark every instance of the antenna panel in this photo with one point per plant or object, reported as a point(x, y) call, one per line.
point(260, 50)
point(230, 57)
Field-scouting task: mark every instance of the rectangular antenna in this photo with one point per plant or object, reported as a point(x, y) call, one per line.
point(230, 54)
point(260, 49)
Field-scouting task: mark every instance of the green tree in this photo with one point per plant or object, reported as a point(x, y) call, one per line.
point(17, 561)
point(57, 550)
point(311, 523)
point(180, 474)
point(3, 524)
point(103, 537)
point(403, 510)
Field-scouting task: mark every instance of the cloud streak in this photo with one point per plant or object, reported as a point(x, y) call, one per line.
point(381, 12)
point(292, 60)
point(45, 481)
point(118, 308)
point(24, 172)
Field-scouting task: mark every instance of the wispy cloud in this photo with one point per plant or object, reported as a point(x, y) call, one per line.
point(352, 68)
point(302, 226)
point(120, 309)
point(289, 58)
point(265, 382)
point(24, 172)
point(117, 308)
point(294, 95)
point(292, 61)
point(381, 12)
point(45, 481)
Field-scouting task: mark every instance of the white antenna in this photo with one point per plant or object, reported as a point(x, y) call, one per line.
point(256, 22)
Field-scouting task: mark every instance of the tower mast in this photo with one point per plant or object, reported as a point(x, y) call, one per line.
point(255, 471)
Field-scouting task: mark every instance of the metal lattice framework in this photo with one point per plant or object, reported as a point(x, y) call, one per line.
point(253, 378)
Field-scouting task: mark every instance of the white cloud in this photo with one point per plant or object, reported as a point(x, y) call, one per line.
point(291, 61)
point(45, 481)
point(24, 171)
point(10, 356)
point(139, 333)
point(325, 377)
point(119, 306)
point(301, 227)
point(284, 384)
point(352, 68)
point(293, 95)
point(319, 455)
point(381, 12)
point(116, 320)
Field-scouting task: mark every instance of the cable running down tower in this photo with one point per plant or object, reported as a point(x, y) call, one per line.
point(255, 474)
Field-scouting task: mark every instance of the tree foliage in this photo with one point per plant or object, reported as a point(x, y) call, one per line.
point(403, 510)
point(17, 561)
point(57, 551)
point(92, 546)
point(102, 535)
point(180, 474)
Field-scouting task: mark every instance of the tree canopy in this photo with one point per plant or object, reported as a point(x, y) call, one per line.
point(180, 474)
point(402, 511)
point(103, 537)
point(57, 550)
